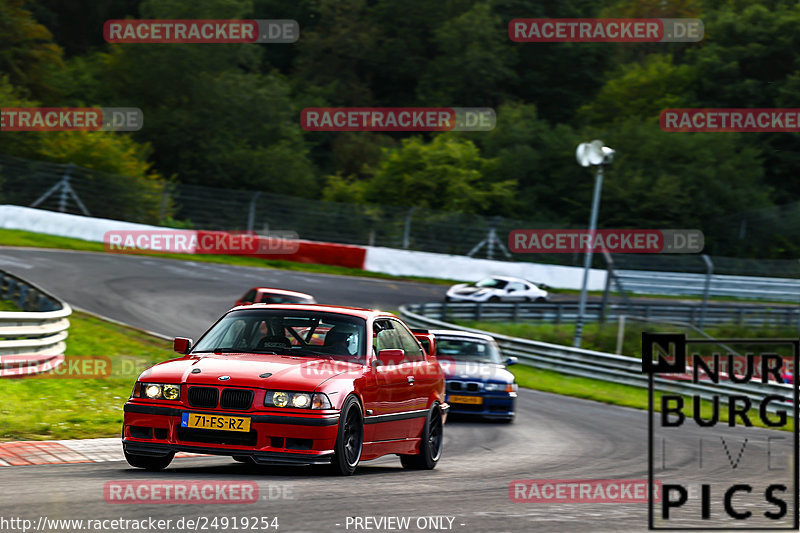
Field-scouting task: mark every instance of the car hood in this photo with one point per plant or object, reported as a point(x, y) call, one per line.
point(475, 371)
point(245, 370)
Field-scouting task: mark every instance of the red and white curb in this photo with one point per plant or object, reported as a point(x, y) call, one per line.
point(30, 452)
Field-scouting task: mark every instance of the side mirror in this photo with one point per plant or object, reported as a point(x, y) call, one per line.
point(182, 345)
point(511, 361)
point(391, 356)
point(427, 341)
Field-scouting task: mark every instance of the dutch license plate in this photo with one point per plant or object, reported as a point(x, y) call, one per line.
point(219, 422)
point(474, 400)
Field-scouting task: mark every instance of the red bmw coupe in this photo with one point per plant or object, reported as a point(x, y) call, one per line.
point(293, 384)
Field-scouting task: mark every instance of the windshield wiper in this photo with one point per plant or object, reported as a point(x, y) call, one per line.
point(306, 351)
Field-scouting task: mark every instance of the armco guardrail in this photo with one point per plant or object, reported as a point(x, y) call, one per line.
point(600, 365)
point(31, 340)
point(688, 284)
point(566, 312)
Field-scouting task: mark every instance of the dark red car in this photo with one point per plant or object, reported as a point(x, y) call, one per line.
point(268, 295)
point(293, 384)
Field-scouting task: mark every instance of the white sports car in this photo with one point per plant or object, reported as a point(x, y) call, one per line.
point(498, 289)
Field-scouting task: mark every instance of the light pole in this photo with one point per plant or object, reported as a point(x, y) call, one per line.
point(593, 153)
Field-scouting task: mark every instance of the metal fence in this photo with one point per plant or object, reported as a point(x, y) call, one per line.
point(600, 365)
point(31, 340)
point(70, 188)
point(567, 312)
point(688, 284)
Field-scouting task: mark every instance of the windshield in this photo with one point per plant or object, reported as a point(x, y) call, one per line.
point(272, 298)
point(292, 332)
point(491, 283)
point(472, 350)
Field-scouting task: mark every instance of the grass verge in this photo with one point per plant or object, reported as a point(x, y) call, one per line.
point(45, 408)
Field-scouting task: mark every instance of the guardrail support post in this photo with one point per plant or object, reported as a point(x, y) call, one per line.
point(707, 288)
point(407, 228)
point(515, 316)
point(606, 291)
point(478, 312)
point(443, 311)
point(251, 215)
point(23, 296)
point(10, 288)
point(559, 310)
point(620, 333)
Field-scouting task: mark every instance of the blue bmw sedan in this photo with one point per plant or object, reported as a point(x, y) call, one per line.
point(477, 380)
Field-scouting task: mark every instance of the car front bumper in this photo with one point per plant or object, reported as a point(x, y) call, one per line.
point(491, 406)
point(274, 438)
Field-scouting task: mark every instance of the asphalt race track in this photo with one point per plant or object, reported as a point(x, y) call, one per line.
point(554, 437)
point(183, 298)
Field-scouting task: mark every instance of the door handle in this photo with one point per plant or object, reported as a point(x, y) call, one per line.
point(410, 380)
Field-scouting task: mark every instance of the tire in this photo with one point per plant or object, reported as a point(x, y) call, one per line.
point(244, 459)
point(494, 300)
point(153, 464)
point(349, 439)
point(541, 300)
point(431, 444)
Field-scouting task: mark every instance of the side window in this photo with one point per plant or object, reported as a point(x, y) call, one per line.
point(249, 297)
point(385, 336)
point(515, 286)
point(409, 342)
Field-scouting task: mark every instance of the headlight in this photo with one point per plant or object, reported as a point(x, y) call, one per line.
point(157, 391)
point(299, 400)
point(500, 387)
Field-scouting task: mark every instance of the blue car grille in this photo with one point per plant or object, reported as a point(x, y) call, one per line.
point(464, 386)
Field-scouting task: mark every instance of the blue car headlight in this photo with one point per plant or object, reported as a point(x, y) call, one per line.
point(500, 387)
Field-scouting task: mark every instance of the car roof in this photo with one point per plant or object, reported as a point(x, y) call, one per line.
point(284, 292)
point(339, 309)
point(511, 278)
point(459, 333)
point(507, 278)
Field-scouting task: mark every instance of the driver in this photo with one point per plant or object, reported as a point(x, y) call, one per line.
point(339, 340)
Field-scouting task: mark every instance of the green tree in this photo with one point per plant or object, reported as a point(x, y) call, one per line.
point(27, 54)
point(446, 173)
point(641, 90)
point(678, 180)
point(472, 66)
